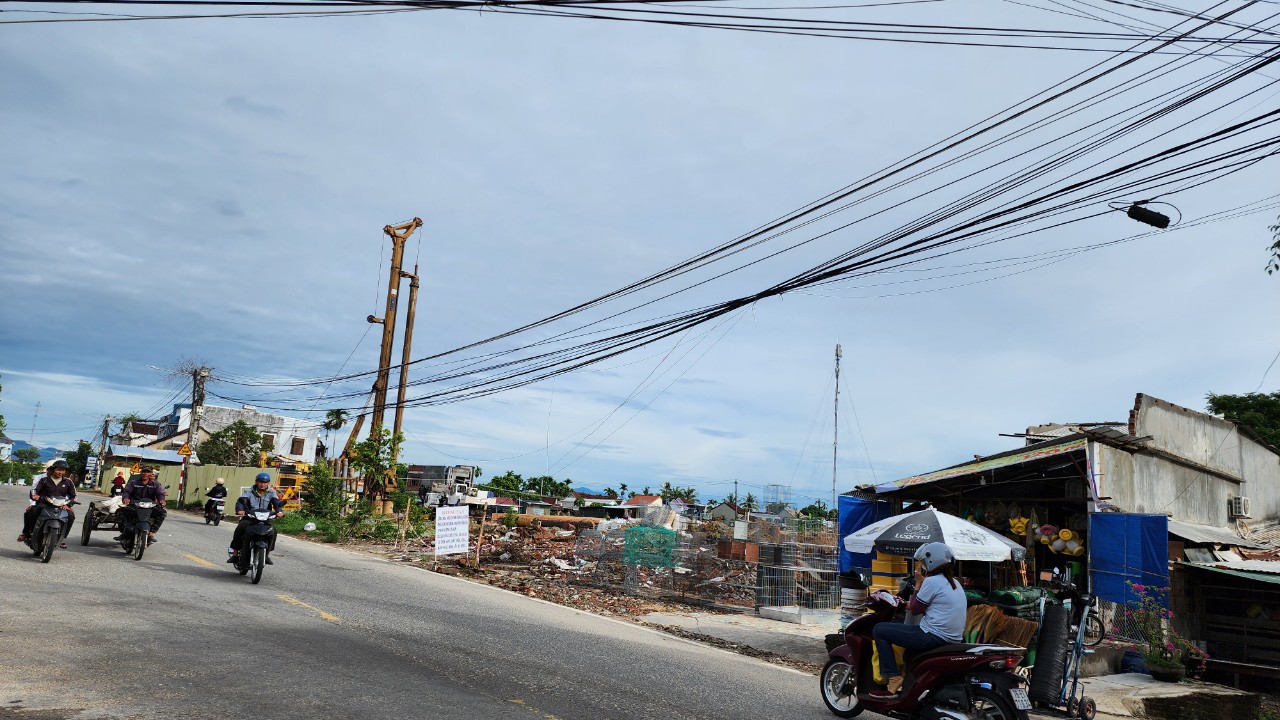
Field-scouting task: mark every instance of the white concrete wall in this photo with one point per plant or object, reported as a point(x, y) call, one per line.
point(1148, 483)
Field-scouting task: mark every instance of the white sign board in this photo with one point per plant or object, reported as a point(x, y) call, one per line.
point(453, 530)
point(740, 529)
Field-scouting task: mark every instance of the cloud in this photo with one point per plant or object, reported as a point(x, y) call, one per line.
point(240, 103)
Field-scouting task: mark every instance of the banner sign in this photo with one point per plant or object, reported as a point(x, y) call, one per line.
point(453, 530)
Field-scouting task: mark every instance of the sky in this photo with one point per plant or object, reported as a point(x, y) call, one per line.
point(216, 190)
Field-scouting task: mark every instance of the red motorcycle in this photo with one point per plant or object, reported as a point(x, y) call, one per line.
point(952, 682)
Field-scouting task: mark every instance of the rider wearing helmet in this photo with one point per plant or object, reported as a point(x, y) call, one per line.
point(261, 497)
point(941, 602)
point(146, 487)
point(217, 492)
point(54, 484)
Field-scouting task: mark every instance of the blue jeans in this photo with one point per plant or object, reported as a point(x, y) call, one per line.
point(910, 637)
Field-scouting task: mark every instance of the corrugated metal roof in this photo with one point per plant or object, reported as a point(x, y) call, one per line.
point(1259, 570)
point(1209, 534)
point(169, 456)
point(1012, 457)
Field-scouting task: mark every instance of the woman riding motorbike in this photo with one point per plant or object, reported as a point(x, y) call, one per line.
point(939, 598)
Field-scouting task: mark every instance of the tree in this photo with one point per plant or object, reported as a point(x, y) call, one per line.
point(749, 503)
point(237, 444)
point(1259, 411)
point(508, 484)
point(372, 458)
point(334, 420)
point(611, 493)
point(323, 494)
point(668, 492)
point(1273, 263)
point(645, 491)
point(622, 491)
point(78, 459)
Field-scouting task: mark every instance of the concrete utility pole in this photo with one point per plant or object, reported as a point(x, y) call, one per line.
point(398, 234)
point(31, 439)
point(198, 377)
point(102, 449)
point(404, 355)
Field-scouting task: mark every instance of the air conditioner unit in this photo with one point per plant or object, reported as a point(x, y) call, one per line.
point(1238, 507)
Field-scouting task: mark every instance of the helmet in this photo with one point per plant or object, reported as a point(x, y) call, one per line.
point(934, 555)
point(221, 481)
point(59, 464)
point(261, 477)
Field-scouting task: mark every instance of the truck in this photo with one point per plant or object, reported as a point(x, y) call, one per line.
point(450, 485)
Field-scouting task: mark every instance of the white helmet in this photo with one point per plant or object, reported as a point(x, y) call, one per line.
point(934, 555)
point(221, 481)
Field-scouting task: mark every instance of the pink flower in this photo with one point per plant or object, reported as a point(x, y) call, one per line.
point(1139, 588)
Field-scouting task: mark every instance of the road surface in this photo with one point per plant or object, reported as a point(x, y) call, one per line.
point(332, 633)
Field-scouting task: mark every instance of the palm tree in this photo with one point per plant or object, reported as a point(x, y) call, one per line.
point(622, 490)
point(749, 504)
point(333, 421)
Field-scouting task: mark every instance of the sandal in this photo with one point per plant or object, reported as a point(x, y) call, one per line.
point(62, 545)
point(22, 538)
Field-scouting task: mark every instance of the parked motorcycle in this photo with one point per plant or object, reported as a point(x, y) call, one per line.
point(134, 527)
point(255, 545)
point(952, 682)
point(214, 513)
point(52, 516)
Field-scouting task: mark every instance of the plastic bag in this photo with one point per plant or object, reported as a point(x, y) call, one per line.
point(898, 654)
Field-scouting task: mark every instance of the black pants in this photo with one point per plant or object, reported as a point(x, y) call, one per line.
point(158, 514)
point(208, 504)
point(237, 537)
point(33, 512)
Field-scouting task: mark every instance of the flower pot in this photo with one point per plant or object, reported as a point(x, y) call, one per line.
point(1165, 673)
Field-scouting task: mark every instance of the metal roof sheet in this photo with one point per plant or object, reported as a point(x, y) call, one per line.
point(1251, 569)
point(1209, 534)
point(1013, 457)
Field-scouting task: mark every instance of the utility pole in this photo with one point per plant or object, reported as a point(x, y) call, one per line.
point(102, 449)
point(198, 377)
point(398, 234)
point(835, 438)
point(31, 439)
point(735, 491)
point(404, 356)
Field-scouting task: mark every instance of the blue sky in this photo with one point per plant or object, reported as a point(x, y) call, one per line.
point(217, 189)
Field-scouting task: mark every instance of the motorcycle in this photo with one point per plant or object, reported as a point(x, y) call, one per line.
point(214, 514)
point(255, 544)
point(134, 527)
point(52, 516)
point(952, 682)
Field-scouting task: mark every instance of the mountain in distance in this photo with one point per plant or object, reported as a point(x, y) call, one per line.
point(587, 491)
point(46, 453)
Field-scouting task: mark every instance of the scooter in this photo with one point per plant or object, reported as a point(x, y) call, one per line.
point(52, 517)
point(134, 527)
point(214, 514)
point(255, 545)
point(952, 682)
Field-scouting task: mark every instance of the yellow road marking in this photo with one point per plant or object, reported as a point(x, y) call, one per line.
point(295, 601)
point(198, 560)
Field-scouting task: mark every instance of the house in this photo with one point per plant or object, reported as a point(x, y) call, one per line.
point(576, 500)
point(292, 439)
point(726, 512)
point(539, 507)
point(123, 458)
point(6, 447)
point(1167, 498)
point(637, 501)
point(137, 433)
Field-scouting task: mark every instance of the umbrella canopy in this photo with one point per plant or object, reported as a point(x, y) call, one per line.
point(903, 534)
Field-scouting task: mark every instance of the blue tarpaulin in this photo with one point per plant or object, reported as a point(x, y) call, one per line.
point(1127, 547)
point(855, 514)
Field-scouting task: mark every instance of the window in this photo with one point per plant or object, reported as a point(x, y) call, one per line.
point(268, 441)
point(295, 448)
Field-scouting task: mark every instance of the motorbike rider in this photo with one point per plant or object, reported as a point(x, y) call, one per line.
point(217, 492)
point(145, 487)
point(261, 497)
point(55, 483)
point(117, 485)
point(939, 598)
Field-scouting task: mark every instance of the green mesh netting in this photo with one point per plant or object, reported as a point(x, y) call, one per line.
point(649, 547)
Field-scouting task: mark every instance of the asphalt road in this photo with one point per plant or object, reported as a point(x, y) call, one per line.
point(331, 633)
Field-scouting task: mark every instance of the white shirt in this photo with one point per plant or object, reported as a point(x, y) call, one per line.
point(947, 608)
